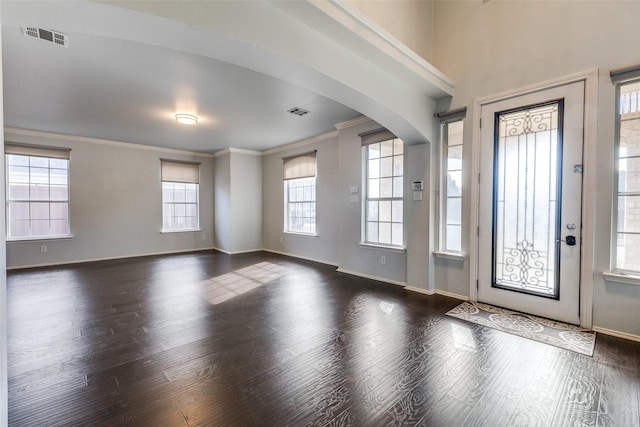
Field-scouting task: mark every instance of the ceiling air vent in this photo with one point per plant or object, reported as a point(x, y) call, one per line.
point(298, 111)
point(46, 35)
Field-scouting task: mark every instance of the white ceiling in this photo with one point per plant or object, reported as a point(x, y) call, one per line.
point(238, 65)
point(109, 87)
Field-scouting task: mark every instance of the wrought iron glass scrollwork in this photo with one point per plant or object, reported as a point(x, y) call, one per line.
point(527, 191)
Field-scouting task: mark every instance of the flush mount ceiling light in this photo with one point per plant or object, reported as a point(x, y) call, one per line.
point(186, 119)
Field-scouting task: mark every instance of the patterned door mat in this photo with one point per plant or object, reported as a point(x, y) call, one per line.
point(568, 337)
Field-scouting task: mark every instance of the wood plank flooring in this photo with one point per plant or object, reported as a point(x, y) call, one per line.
point(208, 339)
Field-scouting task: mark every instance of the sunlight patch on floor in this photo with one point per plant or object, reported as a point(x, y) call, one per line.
point(222, 288)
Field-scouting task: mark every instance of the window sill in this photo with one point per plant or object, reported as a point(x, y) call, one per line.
point(293, 233)
point(39, 239)
point(397, 249)
point(627, 279)
point(180, 231)
point(450, 255)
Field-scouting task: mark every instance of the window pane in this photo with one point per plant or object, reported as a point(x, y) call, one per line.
point(386, 148)
point(39, 211)
point(398, 147)
point(398, 187)
point(18, 174)
point(19, 211)
point(59, 227)
point(372, 211)
point(384, 233)
point(398, 165)
point(18, 192)
point(374, 151)
point(19, 229)
point(629, 175)
point(373, 188)
point(454, 211)
point(59, 164)
point(300, 210)
point(59, 211)
point(386, 187)
point(454, 183)
point(179, 193)
point(39, 162)
point(39, 227)
point(454, 158)
point(372, 232)
point(13, 159)
point(454, 237)
point(39, 192)
point(385, 211)
point(386, 166)
point(629, 214)
point(396, 234)
point(397, 211)
point(374, 168)
point(191, 195)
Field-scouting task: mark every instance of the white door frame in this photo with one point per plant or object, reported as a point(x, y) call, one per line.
point(590, 78)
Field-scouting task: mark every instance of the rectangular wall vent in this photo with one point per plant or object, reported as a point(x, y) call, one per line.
point(298, 111)
point(46, 35)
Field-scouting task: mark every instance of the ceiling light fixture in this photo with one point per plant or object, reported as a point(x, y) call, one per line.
point(186, 119)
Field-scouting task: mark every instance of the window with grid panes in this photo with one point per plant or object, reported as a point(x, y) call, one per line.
point(384, 190)
point(300, 193)
point(626, 241)
point(180, 196)
point(37, 192)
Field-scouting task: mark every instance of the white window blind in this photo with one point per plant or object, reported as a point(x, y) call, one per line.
point(302, 166)
point(37, 151)
point(177, 171)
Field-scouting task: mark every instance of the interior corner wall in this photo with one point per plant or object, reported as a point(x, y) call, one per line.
point(246, 202)
point(222, 195)
point(491, 47)
point(115, 204)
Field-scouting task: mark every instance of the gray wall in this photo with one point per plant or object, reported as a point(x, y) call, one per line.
point(488, 48)
point(324, 246)
point(115, 204)
point(339, 220)
point(246, 202)
point(238, 201)
point(223, 212)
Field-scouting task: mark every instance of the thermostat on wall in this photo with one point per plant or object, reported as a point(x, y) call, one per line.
point(417, 185)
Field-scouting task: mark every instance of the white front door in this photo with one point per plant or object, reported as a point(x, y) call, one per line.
point(530, 202)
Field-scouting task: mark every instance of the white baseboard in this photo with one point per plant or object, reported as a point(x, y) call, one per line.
point(333, 264)
point(436, 292)
point(618, 334)
point(237, 252)
point(368, 276)
point(53, 264)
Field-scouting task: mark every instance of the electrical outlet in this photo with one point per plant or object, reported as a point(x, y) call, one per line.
point(383, 259)
point(43, 249)
point(204, 236)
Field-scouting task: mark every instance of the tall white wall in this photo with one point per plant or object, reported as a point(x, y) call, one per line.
point(4, 387)
point(238, 201)
point(223, 212)
point(246, 201)
point(488, 48)
point(115, 203)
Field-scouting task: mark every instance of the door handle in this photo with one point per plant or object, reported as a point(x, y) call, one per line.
point(569, 240)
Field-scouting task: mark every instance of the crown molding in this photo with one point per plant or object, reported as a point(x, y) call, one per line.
point(312, 140)
point(353, 122)
point(11, 131)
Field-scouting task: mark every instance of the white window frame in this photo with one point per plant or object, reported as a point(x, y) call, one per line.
point(446, 119)
point(628, 77)
point(369, 139)
point(179, 177)
point(300, 193)
point(36, 154)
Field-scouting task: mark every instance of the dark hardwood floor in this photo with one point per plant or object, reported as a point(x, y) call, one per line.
point(208, 339)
